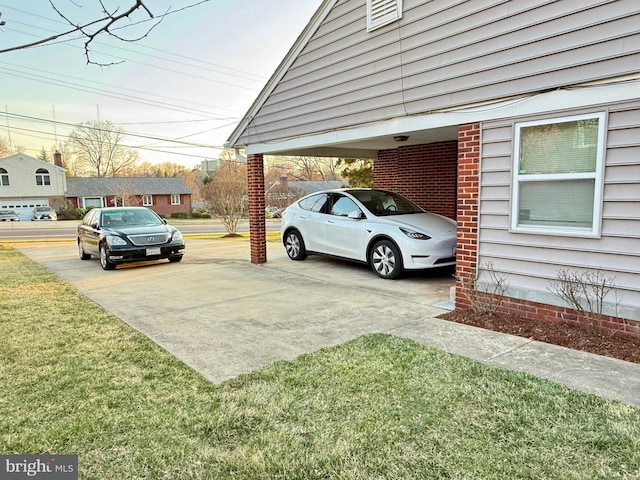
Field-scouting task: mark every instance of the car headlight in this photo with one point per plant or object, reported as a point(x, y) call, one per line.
point(115, 240)
point(177, 236)
point(414, 235)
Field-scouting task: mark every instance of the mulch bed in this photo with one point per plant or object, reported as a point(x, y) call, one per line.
point(570, 336)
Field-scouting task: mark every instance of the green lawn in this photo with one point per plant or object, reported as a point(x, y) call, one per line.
point(75, 379)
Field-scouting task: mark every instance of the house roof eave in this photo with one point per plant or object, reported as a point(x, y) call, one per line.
point(364, 141)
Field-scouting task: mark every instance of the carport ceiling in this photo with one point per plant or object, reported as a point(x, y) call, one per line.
point(369, 147)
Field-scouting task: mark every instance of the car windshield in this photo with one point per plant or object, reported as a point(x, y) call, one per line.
point(43, 209)
point(128, 217)
point(382, 203)
point(6, 212)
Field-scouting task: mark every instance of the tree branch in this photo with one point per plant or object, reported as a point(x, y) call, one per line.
point(108, 23)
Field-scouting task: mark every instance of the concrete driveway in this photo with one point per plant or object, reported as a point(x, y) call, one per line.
point(224, 316)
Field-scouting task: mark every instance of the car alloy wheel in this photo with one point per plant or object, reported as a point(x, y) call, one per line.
point(294, 245)
point(385, 260)
point(104, 258)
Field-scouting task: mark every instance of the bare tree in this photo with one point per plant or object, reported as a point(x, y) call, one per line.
point(98, 150)
point(123, 195)
point(226, 192)
point(304, 168)
point(7, 149)
point(127, 24)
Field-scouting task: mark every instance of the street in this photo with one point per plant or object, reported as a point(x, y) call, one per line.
point(67, 228)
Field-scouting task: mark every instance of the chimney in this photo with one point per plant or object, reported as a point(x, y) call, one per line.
point(284, 182)
point(57, 159)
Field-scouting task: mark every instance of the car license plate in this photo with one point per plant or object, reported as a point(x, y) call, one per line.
point(153, 251)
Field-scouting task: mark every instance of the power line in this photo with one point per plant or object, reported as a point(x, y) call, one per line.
point(136, 135)
point(133, 147)
point(104, 93)
point(199, 63)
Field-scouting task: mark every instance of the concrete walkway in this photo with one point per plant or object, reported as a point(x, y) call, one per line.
point(224, 316)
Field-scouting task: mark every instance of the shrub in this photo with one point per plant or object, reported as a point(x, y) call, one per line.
point(179, 215)
point(67, 213)
point(200, 212)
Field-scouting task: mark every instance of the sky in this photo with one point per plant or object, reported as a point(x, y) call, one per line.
point(178, 93)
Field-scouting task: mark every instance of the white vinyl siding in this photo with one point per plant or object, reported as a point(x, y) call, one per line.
point(443, 55)
point(382, 12)
point(557, 175)
point(531, 261)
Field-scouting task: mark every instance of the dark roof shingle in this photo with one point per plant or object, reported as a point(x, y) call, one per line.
point(107, 186)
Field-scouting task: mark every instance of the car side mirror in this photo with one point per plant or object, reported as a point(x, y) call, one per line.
point(356, 214)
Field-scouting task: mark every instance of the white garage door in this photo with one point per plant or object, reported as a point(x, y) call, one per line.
point(24, 208)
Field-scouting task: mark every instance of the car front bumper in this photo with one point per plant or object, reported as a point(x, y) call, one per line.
point(429, 254)
point(122, 254)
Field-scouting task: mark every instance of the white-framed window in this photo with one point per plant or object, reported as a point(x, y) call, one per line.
point(175, 199)
point(43, 177)
point(558, 175)
point(382, 12)
point(4, 178)
point(147, 200)
point(92, 202)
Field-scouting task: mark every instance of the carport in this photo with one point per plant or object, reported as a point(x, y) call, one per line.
point(341, 91)
point(437, 168)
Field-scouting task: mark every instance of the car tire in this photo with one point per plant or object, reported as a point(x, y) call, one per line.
point(104, 258)
point(294, 245)
point(385, 260)
point(175, 259)
point(81, 253)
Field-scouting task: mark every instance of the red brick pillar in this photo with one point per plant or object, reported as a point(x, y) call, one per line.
point(467, 209)
point(257, 229)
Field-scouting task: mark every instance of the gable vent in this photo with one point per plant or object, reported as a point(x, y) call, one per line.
point(382, 12)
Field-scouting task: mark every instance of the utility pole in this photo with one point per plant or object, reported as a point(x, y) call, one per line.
point(55, 130)
point(6, 109)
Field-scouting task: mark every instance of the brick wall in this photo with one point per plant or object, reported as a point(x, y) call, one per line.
point(257, 227)
point(467, 209)
point(425, 174)
point(541, 311)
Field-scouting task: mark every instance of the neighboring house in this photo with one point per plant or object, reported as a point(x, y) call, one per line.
point(27, 182)
point(284, 192)
point(521, 120)
point(289, 190)
point(164, 195)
